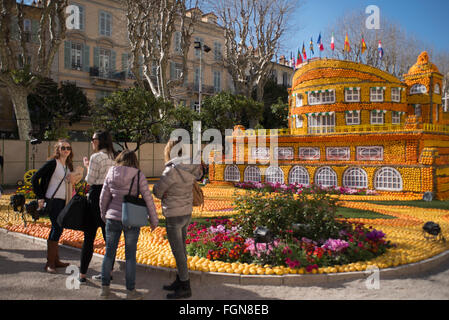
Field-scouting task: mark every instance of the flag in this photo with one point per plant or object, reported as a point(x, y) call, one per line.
point(363, 45)
point(381, 50)
point(304, 54)
point(332, 42)
point(290, 62)
point(347, 45)
point(320, 43)
point(311, 46)
point(298, 59)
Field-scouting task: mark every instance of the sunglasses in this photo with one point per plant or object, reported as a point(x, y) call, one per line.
point(63, 148)
point(93, 139)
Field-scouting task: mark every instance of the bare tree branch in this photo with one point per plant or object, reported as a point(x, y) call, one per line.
point(253, 29)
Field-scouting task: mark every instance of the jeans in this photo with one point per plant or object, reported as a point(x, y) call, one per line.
point(56, 206)
point(176, 234)
point(114, 230)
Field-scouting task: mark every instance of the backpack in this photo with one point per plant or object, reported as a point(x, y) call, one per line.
point(198, 195)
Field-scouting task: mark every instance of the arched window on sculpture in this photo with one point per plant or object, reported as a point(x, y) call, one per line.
point(274, 175)
point(326, 177)
point(299, 175)
point(355, 178)
point(418, 89)
point(232, 173)
point(388, 179)
point(252, 174)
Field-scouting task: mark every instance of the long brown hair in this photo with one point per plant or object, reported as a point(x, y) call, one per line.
point(127, 158)
point(105, 142)
point(57, 153)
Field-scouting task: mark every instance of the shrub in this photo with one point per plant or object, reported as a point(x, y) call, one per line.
point(287, 215)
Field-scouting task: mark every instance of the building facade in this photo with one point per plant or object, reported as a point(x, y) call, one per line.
point(96, 55)
point(354, 126)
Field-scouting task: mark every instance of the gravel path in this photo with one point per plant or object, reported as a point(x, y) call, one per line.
point(22, 277)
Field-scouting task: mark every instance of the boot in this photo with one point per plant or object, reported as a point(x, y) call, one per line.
point(183, 291)
point(50, 266)
point(58, 263)
point(174, 285)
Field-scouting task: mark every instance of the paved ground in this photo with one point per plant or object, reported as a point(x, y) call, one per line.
point(22, 277)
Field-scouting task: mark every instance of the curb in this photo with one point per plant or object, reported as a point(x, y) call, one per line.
point(275, 280)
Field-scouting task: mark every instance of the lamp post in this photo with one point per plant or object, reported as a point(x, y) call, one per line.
point(205, 48)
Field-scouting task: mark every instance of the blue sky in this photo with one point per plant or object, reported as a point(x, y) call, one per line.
point(428, 20)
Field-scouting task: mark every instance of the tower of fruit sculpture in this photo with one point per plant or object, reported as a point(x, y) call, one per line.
point(351, 125)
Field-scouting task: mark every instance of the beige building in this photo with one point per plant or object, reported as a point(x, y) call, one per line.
point(96, 56)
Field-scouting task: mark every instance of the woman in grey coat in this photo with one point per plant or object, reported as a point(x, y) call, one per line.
point(175, 190)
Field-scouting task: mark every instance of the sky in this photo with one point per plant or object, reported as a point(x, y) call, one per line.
point(428, 20)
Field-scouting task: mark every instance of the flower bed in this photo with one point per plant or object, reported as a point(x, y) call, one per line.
point(299, 188)
point(304, 234)
point(153, 248)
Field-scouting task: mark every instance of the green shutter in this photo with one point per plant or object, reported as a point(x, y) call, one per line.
point(14, 28)
point(67, 54)
point(124, 62)
point(141, 66)
point(35, 31)
point(86, 58)
point(113, 59)
point(172, 70)
point(96, 57)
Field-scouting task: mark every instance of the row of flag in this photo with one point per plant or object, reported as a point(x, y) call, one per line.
point(302, 56)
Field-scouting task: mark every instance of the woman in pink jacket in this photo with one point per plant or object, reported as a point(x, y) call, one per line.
point(116, 185)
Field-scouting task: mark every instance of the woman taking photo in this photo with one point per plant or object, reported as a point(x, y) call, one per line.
point(121, 180)
point(51, 190)
point(175, 190)
point(97, 168)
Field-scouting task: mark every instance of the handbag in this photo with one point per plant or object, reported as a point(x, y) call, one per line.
point(198, 195)
point(74, 214)
point(134, 209)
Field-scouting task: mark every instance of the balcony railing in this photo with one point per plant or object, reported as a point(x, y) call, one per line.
point(107, 74)
point(194, 88)
point(388, 128)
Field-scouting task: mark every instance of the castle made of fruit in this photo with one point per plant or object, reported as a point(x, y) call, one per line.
point(351, 125)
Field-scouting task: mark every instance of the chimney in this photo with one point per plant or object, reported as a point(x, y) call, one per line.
point(282, 60)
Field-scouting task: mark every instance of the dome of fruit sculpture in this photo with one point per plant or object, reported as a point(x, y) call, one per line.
point(423, 65)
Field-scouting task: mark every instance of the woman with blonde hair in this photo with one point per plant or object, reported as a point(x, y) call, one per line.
point(175, 190)
point(52, 191)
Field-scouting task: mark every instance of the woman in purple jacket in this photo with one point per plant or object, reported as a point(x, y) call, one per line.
point(117, 184)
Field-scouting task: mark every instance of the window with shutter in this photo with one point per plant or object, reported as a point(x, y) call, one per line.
point(217, 51)
point(105, 23)
point(177, 42)
point(67, 54)
point(217, 81)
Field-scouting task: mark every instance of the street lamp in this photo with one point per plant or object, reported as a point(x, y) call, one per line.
point(205, 48)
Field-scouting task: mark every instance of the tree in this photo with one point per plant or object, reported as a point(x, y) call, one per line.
point(275, 100)
point(151, 28)
point(252, 30)
point(19, 75)
point(132, 115)
point(400, 48)
point(225, 110)
point(52, 106)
